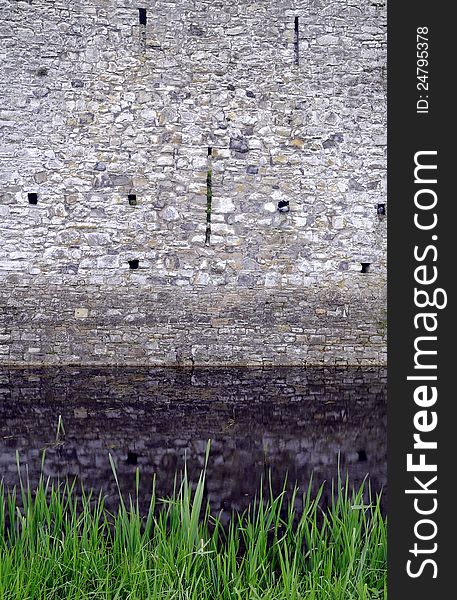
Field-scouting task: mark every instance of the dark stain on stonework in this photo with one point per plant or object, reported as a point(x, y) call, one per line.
point(196, 30)
point(355, 186)
point(333, 140)
point(239, 145)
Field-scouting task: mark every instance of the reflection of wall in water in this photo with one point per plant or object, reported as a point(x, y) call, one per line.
point(284, 420)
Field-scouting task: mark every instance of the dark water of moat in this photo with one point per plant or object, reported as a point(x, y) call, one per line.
point(283, 420)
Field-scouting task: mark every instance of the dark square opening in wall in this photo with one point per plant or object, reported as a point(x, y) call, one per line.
point(362, 455)
point(365, 267)
point(132, 458)
point(134, 264)
point(283, 206)
point(142, 15)
point(381, 210)
point(132, 199)
point(32, 198)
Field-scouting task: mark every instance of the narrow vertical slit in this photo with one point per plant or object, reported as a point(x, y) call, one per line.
point(142, 16)
point(296, 41)
point(209, 197)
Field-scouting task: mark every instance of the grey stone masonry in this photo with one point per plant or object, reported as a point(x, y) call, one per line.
point(193, 183)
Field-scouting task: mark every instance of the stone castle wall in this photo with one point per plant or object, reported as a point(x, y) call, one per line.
point(171, 143)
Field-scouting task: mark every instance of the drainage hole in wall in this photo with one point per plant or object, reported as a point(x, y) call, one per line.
point(134, 264)
point(132, 199)
point(381, 210)
point(33, 198)
point(142, 15)
point(283, 206)
point(365, 267)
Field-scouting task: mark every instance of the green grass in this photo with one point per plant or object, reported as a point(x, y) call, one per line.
point(58, 546)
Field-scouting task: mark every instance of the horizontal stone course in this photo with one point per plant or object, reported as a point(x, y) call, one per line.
point(176, 329)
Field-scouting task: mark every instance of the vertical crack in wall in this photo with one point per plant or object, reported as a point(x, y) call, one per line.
point(209, 197)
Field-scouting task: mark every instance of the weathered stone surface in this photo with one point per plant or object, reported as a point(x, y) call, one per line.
point(126, 109)
point(239, 144)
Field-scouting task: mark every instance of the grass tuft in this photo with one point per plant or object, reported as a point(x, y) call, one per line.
point(56, 545)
